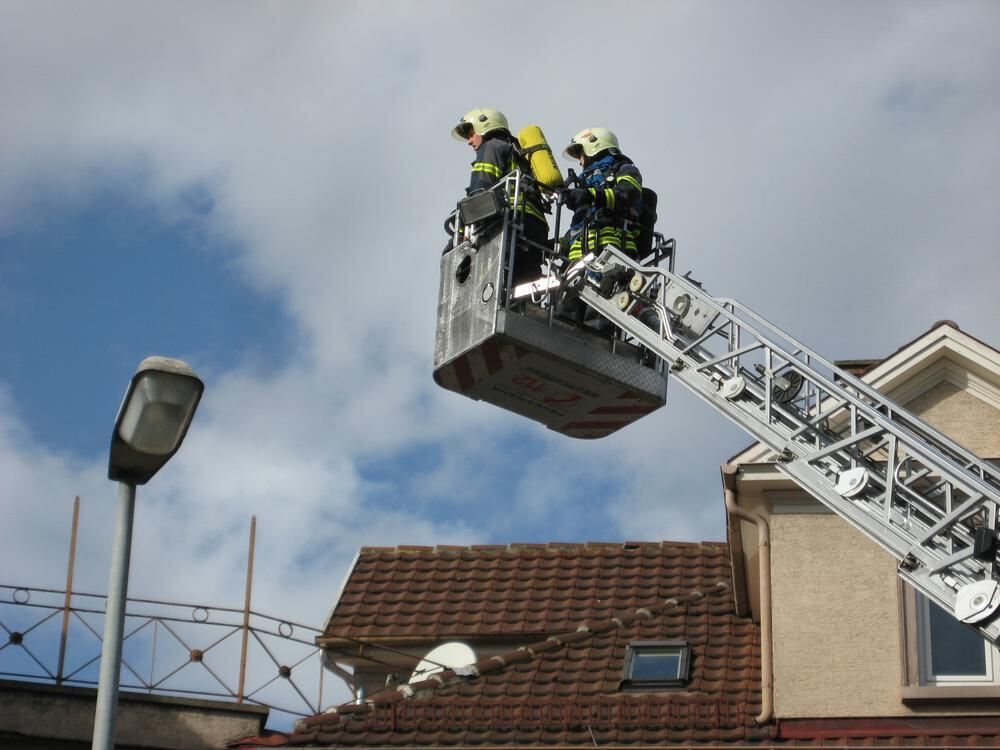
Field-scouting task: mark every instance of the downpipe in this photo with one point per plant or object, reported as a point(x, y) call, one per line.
point(729, 472)
point(349, 679)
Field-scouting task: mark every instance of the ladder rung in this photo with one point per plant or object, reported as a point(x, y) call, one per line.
point(841, 444)
point(954, 517)
point(731, 355)
point(915, 474)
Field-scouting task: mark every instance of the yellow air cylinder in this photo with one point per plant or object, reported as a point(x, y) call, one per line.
point(543, 163)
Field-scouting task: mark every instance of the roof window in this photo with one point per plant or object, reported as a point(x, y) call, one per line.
point(654, 665)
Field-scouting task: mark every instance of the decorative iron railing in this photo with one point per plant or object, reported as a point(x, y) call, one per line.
point(168, 648)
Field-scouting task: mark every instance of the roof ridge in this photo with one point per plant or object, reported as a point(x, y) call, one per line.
point(528, 546)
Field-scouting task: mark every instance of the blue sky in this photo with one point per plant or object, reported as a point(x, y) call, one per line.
point(91, 287)
point(259, 188)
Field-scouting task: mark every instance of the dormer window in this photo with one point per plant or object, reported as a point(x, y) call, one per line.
point(656, 665)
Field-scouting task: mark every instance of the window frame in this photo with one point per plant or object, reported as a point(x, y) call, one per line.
point(918, 682)
point(924, 645)
point(683, 668)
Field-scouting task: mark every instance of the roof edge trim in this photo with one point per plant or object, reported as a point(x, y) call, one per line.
point(340, 591)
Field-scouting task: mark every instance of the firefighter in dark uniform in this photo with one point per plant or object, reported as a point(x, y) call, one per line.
point(497, 154)
point(607, 207)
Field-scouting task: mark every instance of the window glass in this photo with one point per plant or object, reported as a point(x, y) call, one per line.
point(955, 649)
point(656, 665)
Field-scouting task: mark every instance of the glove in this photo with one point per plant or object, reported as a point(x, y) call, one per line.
point(577, 197)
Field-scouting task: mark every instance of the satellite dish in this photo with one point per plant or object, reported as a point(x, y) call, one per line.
point(446, 656)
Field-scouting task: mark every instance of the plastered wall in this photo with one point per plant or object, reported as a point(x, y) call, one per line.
point(836, 620)
point(835, 592)
point(961, 416)
point(837, 650)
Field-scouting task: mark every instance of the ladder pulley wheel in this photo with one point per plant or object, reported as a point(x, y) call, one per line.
point(786, 387)
point(852, 481)
point(733, 387)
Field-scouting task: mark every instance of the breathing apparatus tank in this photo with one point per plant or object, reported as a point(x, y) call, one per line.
point(543, 164)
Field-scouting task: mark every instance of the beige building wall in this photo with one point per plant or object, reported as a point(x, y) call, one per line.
point(836, 620)
point(962, 417)
point(836, 597)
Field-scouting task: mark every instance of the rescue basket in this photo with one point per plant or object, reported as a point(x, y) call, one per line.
point(572, 380)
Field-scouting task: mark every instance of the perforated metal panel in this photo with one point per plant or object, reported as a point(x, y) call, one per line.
point(468, 298)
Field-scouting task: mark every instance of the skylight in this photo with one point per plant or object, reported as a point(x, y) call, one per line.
point(652, 665)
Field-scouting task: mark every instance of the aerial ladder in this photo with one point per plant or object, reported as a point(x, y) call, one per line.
point(928, 501)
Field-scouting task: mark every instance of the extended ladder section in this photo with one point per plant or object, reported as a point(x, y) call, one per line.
point(921, 496)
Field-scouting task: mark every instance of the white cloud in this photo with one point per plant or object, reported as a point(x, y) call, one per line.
point(835, 170)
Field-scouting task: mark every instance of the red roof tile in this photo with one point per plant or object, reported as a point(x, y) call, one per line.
point(569, 694)
point(491, 591)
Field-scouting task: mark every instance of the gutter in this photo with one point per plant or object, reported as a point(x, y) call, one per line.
point(729, 472)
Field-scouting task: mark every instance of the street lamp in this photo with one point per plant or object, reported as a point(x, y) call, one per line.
point(152, 421)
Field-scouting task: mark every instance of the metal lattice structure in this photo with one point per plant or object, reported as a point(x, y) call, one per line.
point(170, 648)
point(924, 498)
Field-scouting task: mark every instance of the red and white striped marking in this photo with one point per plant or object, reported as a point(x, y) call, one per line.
point(565, 398)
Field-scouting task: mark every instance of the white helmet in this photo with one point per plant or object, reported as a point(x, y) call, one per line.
point(481, 121)
point(589, 142)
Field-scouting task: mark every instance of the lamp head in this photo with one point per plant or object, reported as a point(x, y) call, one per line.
point(153, 419)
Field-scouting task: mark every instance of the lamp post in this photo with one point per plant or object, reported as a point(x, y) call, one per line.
point(152, 421)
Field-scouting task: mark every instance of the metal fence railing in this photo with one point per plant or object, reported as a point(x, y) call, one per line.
point(168, 648)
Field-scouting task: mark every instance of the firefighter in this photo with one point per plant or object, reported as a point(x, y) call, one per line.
point(608, 198)
point(497, 154)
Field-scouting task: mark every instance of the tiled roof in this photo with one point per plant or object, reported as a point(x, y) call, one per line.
point(497, 596)
point(513, 594)
point(514, 590)
point(857, 367)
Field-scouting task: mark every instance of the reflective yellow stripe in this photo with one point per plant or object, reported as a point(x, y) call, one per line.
point(530, 208)
point(609, 198)
point(491, 169)
point(631, 180)
point(597, 238)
